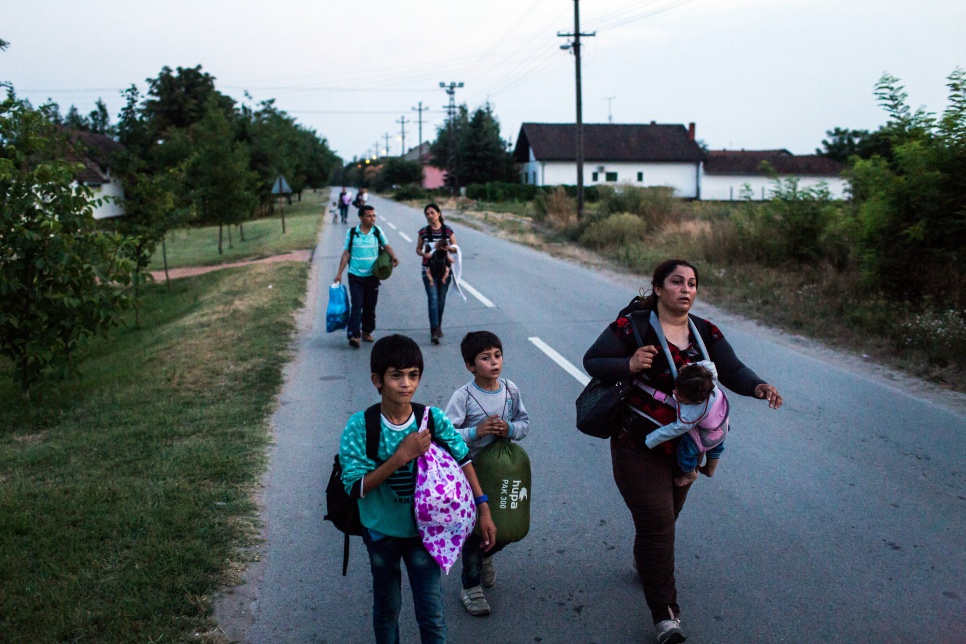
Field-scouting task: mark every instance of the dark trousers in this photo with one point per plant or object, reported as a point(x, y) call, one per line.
point(363, 293)
point(424, 573)
point(645, 478)
point(344, 213)
point(473, 556)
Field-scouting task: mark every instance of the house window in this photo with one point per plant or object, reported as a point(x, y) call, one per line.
point(610, 176)
point(640, 176)
point(526, 177)
point(534, 177)
point(593, 176)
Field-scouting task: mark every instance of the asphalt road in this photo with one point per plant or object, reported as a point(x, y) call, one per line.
point(839, 518)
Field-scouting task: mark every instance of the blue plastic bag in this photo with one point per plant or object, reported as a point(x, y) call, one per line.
point(337, 313)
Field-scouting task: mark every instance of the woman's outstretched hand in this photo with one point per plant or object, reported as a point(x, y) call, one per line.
point(643, 358)
point(770, 394)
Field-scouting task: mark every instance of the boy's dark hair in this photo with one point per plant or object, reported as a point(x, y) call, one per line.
point(365, 209)
point(694, 383)
point(396, 351)
point(476, 342)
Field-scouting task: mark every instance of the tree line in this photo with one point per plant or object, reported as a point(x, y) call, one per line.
point(188, 154)
point(468, 147)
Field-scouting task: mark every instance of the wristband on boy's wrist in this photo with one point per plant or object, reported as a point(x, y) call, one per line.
point(481, 499)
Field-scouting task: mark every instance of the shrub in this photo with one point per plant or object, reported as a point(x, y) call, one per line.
point(618, 230)
point(654, 205)
point(501, 191)
point(556, 207)
point(410, 192)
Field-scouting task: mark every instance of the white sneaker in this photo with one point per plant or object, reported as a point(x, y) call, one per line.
point(669, 631)
point(487, 573)
point(474, 601)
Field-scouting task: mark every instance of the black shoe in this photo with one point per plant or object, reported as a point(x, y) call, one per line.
point(434, 336)
point(354, 343)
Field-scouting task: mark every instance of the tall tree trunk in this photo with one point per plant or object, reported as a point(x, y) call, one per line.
point(281, 210)
point(230, 245)
point(220, 235)
point(241, 230)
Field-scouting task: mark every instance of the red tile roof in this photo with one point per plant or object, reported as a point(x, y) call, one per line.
point(748, 162)
point(607, 142)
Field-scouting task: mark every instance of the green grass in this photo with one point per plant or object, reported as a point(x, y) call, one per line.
point(125, 494)
point(263, 238)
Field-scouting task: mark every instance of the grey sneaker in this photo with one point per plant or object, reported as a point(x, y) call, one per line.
point(669, 631)
point(474, 601)
point(487, 573)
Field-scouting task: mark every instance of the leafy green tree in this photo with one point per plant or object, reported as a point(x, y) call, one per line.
point(912, 206)
point(219, 181)
point(58, 272)
point(470, 149)
point(179, 99)
point(396, 171)
point(843, 144)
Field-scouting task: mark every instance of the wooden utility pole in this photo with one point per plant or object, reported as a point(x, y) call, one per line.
point(420, 110)
point(402, 122)
point(575, 47)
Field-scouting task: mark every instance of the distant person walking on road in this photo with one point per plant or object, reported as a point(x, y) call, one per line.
point(344, 202)
point(361, 199)
point(359, 253)
point(433, 246)
point(645, 477)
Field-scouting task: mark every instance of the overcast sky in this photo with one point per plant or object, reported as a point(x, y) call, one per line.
point(751, 74)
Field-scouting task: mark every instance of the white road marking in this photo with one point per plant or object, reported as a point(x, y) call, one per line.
point(391, 225)
point(581, 377)
point(404, 236)
point(477, 295)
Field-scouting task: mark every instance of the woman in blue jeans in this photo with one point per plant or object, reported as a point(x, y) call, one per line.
point(435, 239)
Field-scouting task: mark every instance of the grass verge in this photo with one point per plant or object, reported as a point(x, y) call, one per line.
point(263, 238)
point(125, 494)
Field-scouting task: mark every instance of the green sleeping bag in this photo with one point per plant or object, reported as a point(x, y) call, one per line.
point(503, 469)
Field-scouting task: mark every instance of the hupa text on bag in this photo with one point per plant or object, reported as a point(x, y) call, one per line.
point(503, 469)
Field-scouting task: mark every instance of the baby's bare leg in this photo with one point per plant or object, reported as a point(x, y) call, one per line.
point(686, 479)
point(709, 467)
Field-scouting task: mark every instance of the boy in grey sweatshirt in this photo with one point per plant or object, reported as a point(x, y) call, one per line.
point(483, 410)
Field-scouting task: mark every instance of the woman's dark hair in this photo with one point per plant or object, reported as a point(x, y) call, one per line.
point(694, 383)
point(476, 342)
point(437, 209)
point(396, 351)
point(648, 302)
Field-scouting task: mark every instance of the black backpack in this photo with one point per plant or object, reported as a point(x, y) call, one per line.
point(343, 510)
point(355, 231)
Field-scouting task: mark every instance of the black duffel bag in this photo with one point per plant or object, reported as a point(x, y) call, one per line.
point(600, 404)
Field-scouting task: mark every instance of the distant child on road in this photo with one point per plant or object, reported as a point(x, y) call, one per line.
point(385, 489)
point(483, 410)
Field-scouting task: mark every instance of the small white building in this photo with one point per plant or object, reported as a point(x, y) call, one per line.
point(730, 174)
point(641, 155)
point(94, 152)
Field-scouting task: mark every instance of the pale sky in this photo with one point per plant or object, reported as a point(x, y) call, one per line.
point(751, 74)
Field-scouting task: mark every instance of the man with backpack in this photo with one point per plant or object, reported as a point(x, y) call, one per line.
point(362, 246)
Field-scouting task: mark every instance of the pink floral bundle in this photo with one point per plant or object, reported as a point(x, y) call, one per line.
point(445, 511)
